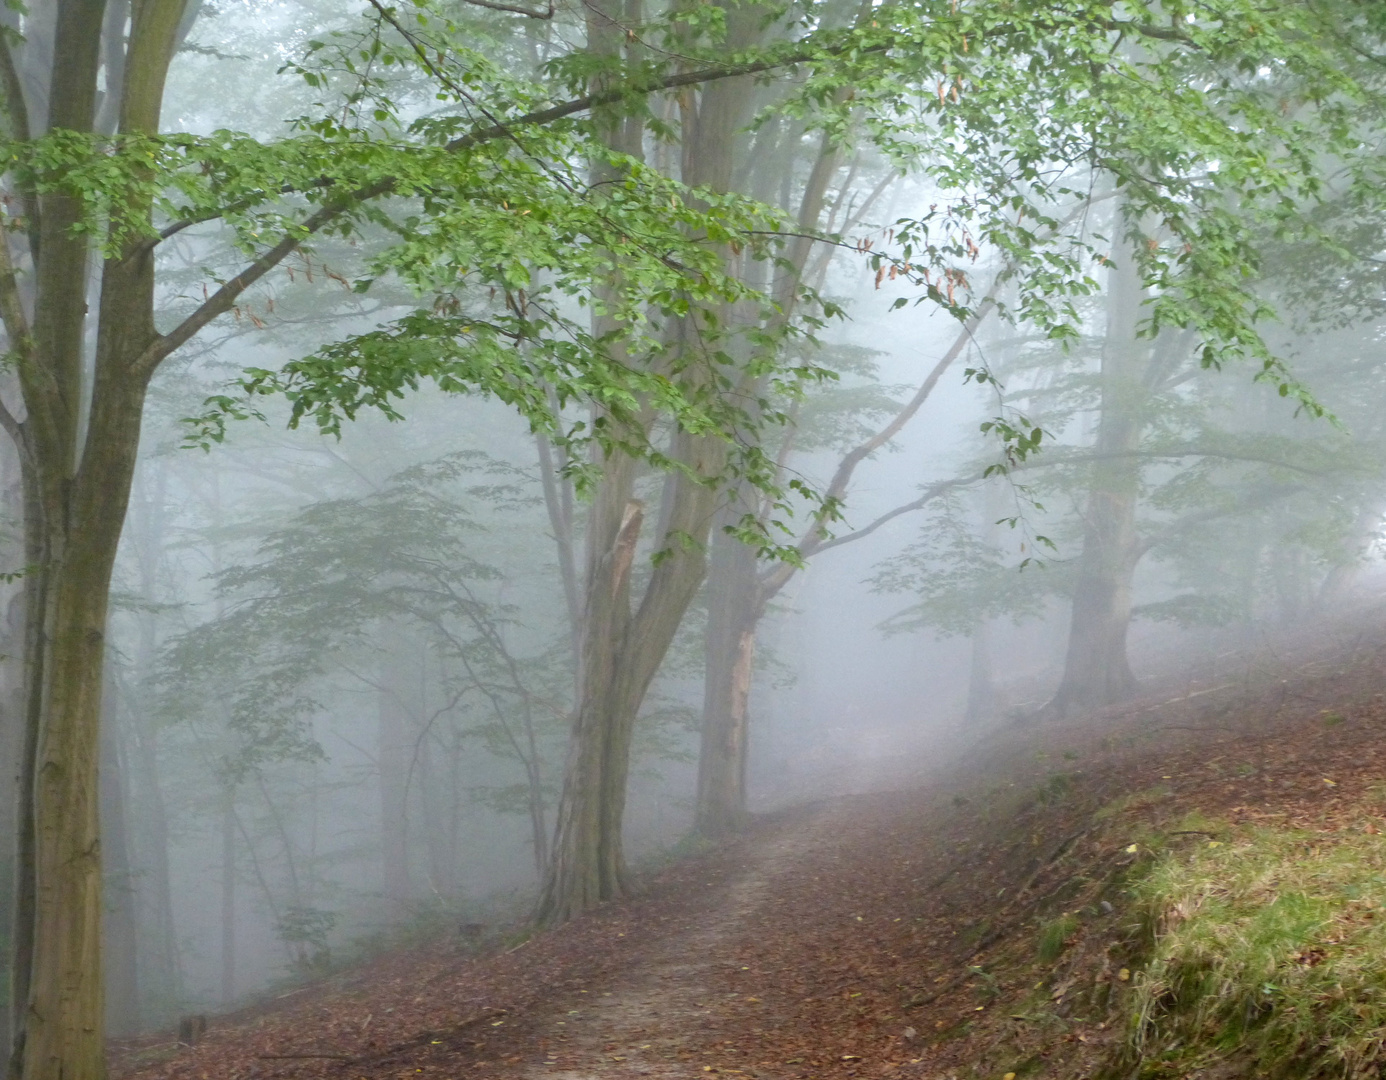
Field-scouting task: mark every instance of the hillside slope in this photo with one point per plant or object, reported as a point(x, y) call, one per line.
point(979, 926)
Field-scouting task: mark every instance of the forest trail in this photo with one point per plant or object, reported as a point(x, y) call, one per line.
point(644, 1022)
point(886, 934)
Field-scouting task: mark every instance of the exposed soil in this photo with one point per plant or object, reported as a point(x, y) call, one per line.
point(884, 934)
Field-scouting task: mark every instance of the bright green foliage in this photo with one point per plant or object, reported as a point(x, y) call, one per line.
point(1267, 953)
point(1211, 117)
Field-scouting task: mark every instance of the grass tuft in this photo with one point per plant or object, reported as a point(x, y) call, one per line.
point(1054, 937)
point(1269, 950)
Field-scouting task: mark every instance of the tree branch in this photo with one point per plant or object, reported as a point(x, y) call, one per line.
point(221, 301)
point(932, 492)
point(546, 14)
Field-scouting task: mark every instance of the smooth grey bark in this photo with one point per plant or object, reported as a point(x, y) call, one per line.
point(12, 710)
point(160, 978)
point(228, 897)
point(1096, 669)
point(394, 753)
point(740, 593)
point(734, 610)
point(1351, 555)
point(1135, 369)
point(120, 885)
point(981, 685)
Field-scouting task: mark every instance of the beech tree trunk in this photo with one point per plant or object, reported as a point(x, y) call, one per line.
point(1351, 555)
point(1096, 669)
point(120, 889)
point(623, 643)
point(981, 687)
point(228, 896)
point(734, 611)
point(78, 467)
point(621, 652)
point(12, 724)
point(394, 750)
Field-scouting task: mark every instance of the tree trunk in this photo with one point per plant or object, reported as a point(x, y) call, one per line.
point(621, 652)
point(121, 927)
point(1096, 669)
point(981, 688)
point(228, 896)
point(734, 609)
point(394, 751)
point(78, 467)
point(1351, 555)
point(161, 977)
point(12, 726)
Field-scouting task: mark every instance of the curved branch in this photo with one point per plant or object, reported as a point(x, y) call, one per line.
point(932, 492)
point(544, 15)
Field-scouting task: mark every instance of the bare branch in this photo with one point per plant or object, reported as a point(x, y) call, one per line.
point(546, 14)
point(932, 492)
point(221, 301)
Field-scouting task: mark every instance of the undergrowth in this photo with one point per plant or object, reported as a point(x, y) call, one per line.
point(1265, 950)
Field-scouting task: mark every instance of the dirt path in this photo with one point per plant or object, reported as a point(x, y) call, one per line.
point(648, 1022)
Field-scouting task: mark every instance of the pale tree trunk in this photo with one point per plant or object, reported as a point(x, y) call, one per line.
point(736, 596)
point(161, 975)
point(12, 725)
point(981, 687)
point(120, 888)
point(981, 683)
point(621, 653)
point(734, 609)
point(228, 896)
point(1096, 669)
point(1351, 555)
point(394, 753)
point(159, 979)
point(738, 592)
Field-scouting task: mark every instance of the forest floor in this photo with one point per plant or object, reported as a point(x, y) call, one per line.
point(885, 934)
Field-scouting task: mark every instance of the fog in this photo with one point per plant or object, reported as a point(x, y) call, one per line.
point(344, 668)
